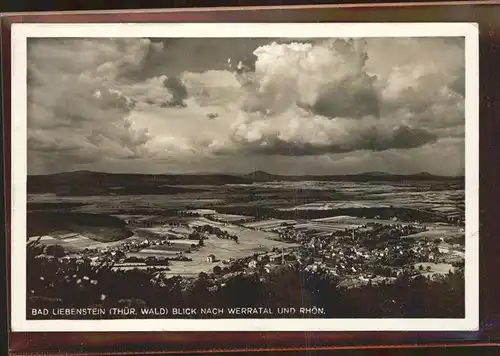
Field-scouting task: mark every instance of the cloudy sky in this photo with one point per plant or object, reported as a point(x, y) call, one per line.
point(293, 106)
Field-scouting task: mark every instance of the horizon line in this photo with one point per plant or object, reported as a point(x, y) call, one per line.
point(255, 171)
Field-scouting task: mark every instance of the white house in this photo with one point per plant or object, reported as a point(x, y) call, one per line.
point(252, 264)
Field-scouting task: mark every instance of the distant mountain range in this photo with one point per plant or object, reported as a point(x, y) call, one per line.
point(97, 183)
point(261, 176)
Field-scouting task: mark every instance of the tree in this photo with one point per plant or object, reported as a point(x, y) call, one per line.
point(120, 255)
point(34, 249)
point(420, 268)
point(55, 250)
point(151, 260)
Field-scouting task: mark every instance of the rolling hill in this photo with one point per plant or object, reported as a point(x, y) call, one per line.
point(85, 183)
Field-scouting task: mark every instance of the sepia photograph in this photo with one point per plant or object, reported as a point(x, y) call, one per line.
point(244, 177)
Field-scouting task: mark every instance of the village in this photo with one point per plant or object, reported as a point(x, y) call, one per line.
point(347, 256)
point(374, 252)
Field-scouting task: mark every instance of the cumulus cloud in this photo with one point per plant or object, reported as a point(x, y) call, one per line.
point(309, 99)
point(104, 102)
point(297, 133)
point(329, 78)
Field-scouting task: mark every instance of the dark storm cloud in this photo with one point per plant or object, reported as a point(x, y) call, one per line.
point(195, 55)
point(172, 56)
point(403, 137)
point(178, 91)
point(350, 99)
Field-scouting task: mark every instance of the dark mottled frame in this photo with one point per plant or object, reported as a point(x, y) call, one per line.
point(486, 14)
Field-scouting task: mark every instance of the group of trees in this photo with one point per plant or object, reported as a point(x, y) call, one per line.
point(156, 261)
point(200, 231)
point(378, 235)
point(190, 214)
point(52, 283)
point(422, 268)
point(54, 250)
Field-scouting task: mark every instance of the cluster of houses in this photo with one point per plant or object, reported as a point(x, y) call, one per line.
point(290, 234)
point(376, 231)
point(350, 258)
point(371, 231)
point(372, 252)
point(119, 254)
point(121, 249)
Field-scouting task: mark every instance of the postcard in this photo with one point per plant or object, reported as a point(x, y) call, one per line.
point(244, 177)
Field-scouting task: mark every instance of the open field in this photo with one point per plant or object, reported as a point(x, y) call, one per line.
point(448, 249)
point(324, 227)
point(268, 224)
point(436, 268)
point(319, 207)
point(230, 217)
point(445, 197)
point(249, 243)
point(129, 204)
point(338, 205)
point(154, 253)
point(354, 220)
point(438, 231)
point(81, 242)
point(175, 247)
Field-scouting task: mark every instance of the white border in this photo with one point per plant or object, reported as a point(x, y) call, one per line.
point(20, 33)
